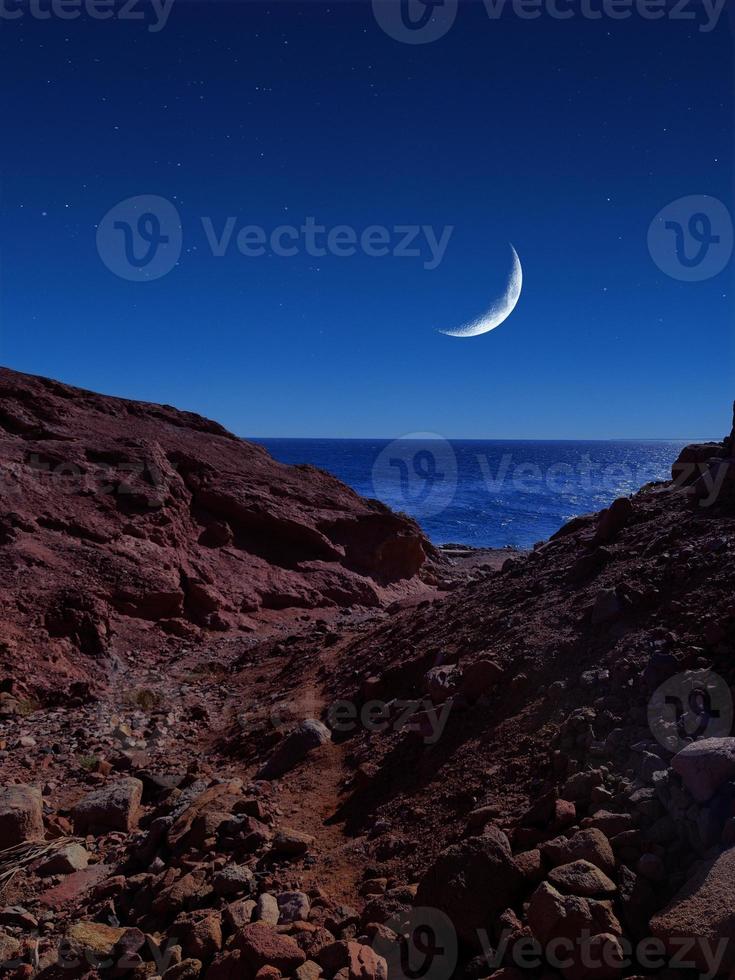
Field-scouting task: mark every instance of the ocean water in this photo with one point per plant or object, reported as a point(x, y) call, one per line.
point(486, 493)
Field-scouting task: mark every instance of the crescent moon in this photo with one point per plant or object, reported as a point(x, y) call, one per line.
point(501, 308)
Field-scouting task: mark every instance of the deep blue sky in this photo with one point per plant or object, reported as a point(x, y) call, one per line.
point(564, 138)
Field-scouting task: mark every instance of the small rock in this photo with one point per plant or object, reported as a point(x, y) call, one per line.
point(72, 857)
point(239, 913)
point(289, 841)
point(188, 969)
point(232, 880)
point(266, 909)
point(95, 938)
point(308, 971)
point(294, 907)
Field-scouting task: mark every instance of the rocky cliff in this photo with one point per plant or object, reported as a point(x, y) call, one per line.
point(123, 523)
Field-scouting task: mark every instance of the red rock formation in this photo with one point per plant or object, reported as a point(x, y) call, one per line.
point(123, 522)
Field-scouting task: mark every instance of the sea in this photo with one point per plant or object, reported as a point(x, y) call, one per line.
point(486, 494)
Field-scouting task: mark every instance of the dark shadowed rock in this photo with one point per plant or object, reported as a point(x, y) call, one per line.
point(705, 765)
point(306, 737)
point(472, 882)
point(613, 520)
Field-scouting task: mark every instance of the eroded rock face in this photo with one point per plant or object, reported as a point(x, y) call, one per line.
point(116, 514)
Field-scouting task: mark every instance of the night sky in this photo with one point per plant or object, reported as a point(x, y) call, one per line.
point(564, 138)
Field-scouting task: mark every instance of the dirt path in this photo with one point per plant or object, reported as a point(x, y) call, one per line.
point(311, 795)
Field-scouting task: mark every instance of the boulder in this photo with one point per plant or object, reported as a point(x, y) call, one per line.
point(306, 737)
point(702, 913)
point(613, 520)
point(262, 946)
point(232, 880)
point(480, 677)
point(705, 765)
point(581, 878)
point(472, 881)
point(582, 933)
point(114, 807)
point(201, 934)
point(611, 824)
point(290, 841)
point(21, 815)
point(588, 845)
point(353, 961)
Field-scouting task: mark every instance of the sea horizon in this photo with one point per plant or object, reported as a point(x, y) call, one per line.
point(487, 493)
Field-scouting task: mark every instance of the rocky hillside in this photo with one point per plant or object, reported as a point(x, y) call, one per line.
point(529, 775)
point(123, 523)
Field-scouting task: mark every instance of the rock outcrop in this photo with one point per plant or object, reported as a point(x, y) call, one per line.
point(128, 524)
